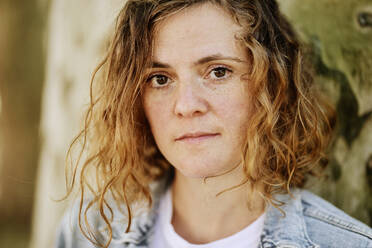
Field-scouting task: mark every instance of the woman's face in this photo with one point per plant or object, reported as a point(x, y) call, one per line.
point(196, 98)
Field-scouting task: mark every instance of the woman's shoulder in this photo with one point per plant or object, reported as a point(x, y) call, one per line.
point(327, 223)
point(70, 234)
point(311, 221)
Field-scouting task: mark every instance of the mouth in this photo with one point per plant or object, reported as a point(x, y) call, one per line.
point(197, 137)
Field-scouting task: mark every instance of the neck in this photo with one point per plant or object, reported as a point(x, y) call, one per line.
point(203, 212)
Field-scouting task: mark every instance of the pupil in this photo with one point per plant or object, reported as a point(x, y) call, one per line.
point(161, 80)
point(220, 72)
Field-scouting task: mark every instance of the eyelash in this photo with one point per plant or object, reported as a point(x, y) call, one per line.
point(228, 73)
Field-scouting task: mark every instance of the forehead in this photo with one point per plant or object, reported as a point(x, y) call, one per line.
point(195, 32)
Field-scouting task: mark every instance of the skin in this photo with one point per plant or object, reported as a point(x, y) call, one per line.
point(198, 106)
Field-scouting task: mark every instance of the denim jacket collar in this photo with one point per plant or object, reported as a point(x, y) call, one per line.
point(141, 230)
point(289, 230)
point(279, 231)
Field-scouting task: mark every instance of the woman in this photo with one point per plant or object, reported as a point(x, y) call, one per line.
point(201, 132)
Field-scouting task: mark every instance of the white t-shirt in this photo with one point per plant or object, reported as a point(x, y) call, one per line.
point(166, 237)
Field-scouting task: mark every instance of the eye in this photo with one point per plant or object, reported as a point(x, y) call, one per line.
point(220, 72)
point(158, 80)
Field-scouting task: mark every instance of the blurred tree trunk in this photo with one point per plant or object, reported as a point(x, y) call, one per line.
point(21, 80)
point(78, 32)
point(340, 34)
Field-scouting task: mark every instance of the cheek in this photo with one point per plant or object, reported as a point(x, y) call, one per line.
point(234, 110)
point(235, 113)
point(156, 114)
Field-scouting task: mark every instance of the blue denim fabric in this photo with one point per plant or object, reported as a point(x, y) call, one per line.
point(309, 222)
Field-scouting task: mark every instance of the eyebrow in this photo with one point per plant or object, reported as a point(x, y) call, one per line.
point(204, 60)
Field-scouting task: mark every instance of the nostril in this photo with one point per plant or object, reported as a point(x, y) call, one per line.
point(365, 19)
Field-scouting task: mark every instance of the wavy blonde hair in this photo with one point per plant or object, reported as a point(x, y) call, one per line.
point(288, 132)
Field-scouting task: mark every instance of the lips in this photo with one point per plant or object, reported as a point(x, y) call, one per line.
point(196, 137)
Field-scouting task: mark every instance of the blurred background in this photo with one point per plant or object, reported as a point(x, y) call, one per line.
point(49, 49)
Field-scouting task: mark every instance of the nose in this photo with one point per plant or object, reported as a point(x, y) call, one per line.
point(189, 100)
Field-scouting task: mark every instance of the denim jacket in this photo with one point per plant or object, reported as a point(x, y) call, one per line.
point(309, 222)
